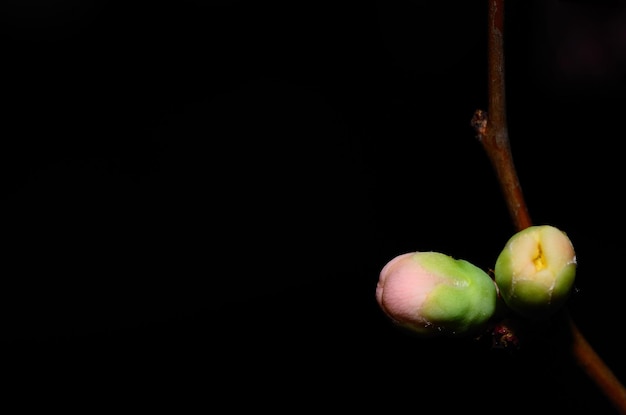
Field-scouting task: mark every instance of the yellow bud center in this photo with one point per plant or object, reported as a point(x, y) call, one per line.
point(539, 259)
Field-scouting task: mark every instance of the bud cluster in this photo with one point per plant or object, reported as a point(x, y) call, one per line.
point(431, 293)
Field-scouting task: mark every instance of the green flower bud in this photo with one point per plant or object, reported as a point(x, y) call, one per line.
point(431, 293)
point(535, 271)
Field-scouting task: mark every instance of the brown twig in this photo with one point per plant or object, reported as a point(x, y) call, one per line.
point(492, 132)
point(494, 135)
point(596, 369)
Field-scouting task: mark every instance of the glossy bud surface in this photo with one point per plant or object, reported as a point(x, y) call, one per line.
point(535, 271)
point(431, 293)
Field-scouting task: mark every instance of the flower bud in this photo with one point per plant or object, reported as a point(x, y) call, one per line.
point(431, 293)
point(535, 271)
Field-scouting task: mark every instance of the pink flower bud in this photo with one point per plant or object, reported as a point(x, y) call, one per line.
point(431, 293)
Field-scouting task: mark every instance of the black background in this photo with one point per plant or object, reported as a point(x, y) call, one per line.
point(200, 196)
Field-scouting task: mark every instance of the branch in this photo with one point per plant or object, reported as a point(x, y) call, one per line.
point(596, 369)
point(492, 132)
